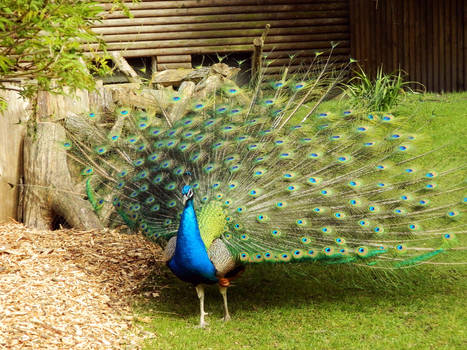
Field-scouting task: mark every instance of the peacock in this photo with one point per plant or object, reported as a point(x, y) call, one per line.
point(255, 175)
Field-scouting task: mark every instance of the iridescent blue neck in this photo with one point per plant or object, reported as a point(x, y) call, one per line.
point(188, 231)
point(190, 261)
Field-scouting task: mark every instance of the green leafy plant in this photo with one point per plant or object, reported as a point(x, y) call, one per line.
point(379, 94)
point(42, 45)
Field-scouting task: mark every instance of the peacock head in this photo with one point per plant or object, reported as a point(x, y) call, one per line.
point(187, 193)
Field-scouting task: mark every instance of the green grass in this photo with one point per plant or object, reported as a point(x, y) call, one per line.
point(332, 307)
point(381, 93)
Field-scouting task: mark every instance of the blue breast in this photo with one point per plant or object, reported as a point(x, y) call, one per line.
point(190, 261)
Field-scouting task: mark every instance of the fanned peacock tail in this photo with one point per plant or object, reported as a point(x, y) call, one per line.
point(276, 181)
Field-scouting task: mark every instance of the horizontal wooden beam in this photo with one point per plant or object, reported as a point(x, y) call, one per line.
point(133, 28)
point(185, 50)
point(175, 65)
point(304, 52)
point(228, 33)
point(273, 40)
point(303, 60)
point(266, 16)
point(296, 46)
point(107, 5)
point(173, 59)
point(227, 8)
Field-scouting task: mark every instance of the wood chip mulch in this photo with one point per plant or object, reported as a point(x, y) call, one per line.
point(70, 289)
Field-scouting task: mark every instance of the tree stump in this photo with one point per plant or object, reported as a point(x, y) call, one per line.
point(48, 188)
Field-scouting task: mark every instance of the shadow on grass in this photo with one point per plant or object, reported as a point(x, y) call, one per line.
point(266, 287)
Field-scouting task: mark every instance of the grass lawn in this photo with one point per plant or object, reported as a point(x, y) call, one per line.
point(331, 307)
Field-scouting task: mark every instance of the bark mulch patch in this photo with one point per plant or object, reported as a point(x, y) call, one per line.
point(70, 289)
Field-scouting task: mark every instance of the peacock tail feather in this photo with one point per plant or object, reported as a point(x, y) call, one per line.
point(275, 180)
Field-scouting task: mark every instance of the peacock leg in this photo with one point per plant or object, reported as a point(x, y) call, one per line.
point(200, 292)
point(223, 291)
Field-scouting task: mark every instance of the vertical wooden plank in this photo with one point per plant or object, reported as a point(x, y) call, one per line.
point(416, 58)
point(434, 48)
point(440, 47)
point(387, 43)
point(375, 34)
point(390, 38)
point(361, 35)
point(399, 8)
point(12, 131)
point(454, 19)
point(428, 45)
point(382, 34)
point(459, 53)
point(412, 40)
point(394, 34)
point(408, 38)
point(378, 30)
point(360, 31)
point(371, 44)
point(400, 34)
point(421, 38)
point(464, 25)
point(405, 42)
point(462, 58)
point(447, 43)
point(356, 37)
point(352, 24)
point(366, 54)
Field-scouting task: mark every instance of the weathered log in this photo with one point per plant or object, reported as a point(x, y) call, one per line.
point(257, 57)
point(196, 10)
point(154, 68)
point(224, 70)
point(186, 43)
point(125, 68)
point(179, 65)
point(170, 77)
point(246, 26)
point(178, 109)
point(207, 86)
point(12, 130)
point(242, 17)
point(48, 188)
point(140, 5)
point(174, 59)
point(218, 33)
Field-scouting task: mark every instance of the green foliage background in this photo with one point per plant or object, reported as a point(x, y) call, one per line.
point(41, 45)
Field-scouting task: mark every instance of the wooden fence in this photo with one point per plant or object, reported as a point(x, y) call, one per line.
point(173, 30)
point(12, 130)
point(425, 38)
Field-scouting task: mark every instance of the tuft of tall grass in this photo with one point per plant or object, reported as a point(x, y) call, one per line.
point(379, 94)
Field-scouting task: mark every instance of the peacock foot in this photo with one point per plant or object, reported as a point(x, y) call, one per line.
point(202, 324)
point(226, 318)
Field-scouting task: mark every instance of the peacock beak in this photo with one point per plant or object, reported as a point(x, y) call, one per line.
point(187, 196)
